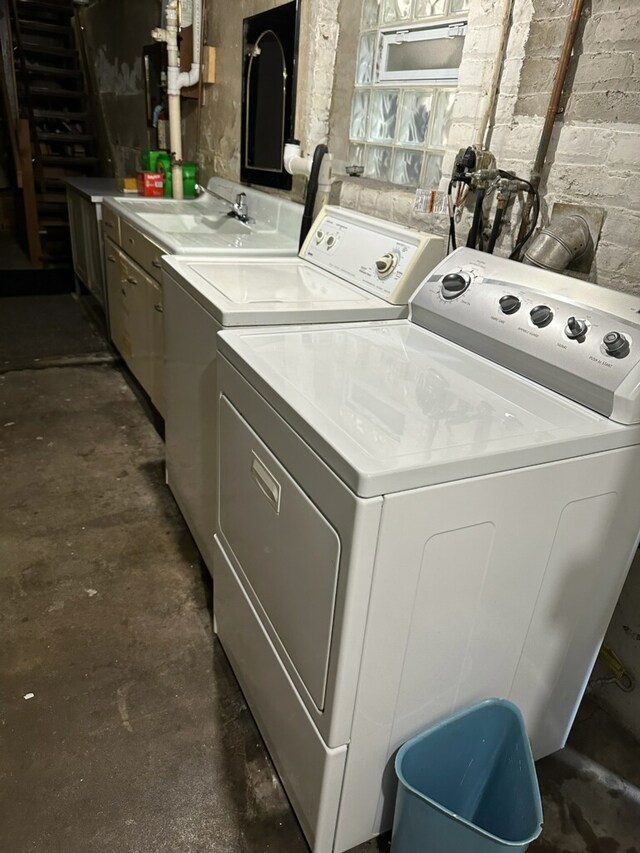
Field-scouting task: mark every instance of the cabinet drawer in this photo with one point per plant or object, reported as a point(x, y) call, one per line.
point(111, 224)
point(143, 250)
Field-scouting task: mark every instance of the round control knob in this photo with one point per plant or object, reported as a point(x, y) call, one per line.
point(509, 304)
point(541, 316)
point(319, 236)
point(386, 264)
point(454, 284)
point(575, 328)
point(616, 344)
point(330, 241)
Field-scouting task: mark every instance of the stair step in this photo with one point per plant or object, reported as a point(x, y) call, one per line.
point(51, 198)
point(38, 7)
point(61, 114)
point(45, 27)
point(45, 136)
point(53, 223)
point(52, 71)
point(45, 92)
point(49, 50)
point(53, 160)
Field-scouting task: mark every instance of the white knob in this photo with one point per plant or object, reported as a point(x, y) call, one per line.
point(386, 264)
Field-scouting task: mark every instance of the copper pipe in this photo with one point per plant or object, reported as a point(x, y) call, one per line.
point(553, 109)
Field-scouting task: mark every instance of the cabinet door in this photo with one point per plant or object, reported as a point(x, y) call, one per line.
point(74, 206)
point(117, 298)
point(157, 347)
point(139, 318)
point(93, 260)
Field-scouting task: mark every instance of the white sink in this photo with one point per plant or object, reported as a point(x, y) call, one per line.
point(188, 223)
point(203, 225)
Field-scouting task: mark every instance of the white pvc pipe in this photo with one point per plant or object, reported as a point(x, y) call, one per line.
point(175, 143)
point(190, 78)
point(176, 80)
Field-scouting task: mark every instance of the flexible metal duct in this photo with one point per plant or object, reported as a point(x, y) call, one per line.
point(557, 246)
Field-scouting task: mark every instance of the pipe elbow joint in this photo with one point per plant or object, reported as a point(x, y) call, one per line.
point(560, 244)
point(293, 161)
point(188, 78)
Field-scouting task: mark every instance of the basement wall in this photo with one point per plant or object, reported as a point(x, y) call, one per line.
point(217, 146)
point(594, 153)
point(115, 31)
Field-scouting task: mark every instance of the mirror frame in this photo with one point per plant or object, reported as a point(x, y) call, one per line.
point(284, 22)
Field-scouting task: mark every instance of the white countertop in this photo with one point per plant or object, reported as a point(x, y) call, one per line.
point(97, 189)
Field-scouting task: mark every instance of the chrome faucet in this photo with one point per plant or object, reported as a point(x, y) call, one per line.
point(239, 209)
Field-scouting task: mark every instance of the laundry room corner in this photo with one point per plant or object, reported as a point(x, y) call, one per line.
point(320, 426)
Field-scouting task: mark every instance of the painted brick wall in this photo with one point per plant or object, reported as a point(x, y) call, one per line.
point(593, 157)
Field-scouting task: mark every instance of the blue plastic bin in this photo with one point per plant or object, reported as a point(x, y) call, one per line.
point(468, 785)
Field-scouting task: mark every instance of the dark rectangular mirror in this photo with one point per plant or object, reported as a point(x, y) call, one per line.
point(268, 94)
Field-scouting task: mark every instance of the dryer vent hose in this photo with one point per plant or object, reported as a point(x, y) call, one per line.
point(312, 192)
point(559, 245)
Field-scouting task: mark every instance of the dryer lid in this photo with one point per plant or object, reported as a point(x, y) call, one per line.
point(390, 406)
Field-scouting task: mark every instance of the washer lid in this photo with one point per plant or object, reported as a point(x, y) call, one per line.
point(391, 406)
point(288, 290)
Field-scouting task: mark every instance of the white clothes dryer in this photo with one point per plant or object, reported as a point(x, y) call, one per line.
point(416, 515)
point(351, 267)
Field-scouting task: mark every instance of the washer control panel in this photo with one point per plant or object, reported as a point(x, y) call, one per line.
point(576, 338)
point(378, 256)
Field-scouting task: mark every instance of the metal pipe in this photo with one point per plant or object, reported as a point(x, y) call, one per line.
point(552, 110)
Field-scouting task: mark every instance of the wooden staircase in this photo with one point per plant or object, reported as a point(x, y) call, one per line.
point(55, 115)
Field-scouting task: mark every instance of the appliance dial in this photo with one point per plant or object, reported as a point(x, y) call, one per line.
point(541, 316)
point(319, 236)
point(330, 241)
point(575, 329)
point(386, 264)
point(616, 344)
point(509, 304)
point(454, 284)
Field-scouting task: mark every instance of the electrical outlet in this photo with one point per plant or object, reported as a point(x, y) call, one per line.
point(421, 201)
point(430, 201)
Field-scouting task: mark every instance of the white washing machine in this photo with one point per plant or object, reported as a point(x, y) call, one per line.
point(416, 515)
point(351, 267)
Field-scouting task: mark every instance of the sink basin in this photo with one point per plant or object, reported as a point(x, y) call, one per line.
point(202, 226)
point(189, 223)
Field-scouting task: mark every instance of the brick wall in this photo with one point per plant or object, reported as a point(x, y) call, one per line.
point(593, 157)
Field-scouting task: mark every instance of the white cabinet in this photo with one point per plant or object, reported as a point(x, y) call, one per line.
point(86, 242)
point(135, 318)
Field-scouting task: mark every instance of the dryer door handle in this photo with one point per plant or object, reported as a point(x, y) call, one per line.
point(265, 481)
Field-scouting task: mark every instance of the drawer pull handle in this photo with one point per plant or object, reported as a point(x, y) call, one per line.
point(131, 279)
point(158, 307)
point(265, 481)
point(111, 259)
point(155, 263)
point(132, 240)
point(108, 224)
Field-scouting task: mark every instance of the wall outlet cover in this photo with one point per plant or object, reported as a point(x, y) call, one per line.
point(430, 201)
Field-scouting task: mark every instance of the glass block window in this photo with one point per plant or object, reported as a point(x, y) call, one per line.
point(398, 131)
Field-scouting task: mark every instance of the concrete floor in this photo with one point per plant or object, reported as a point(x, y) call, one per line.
point(122, 727)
